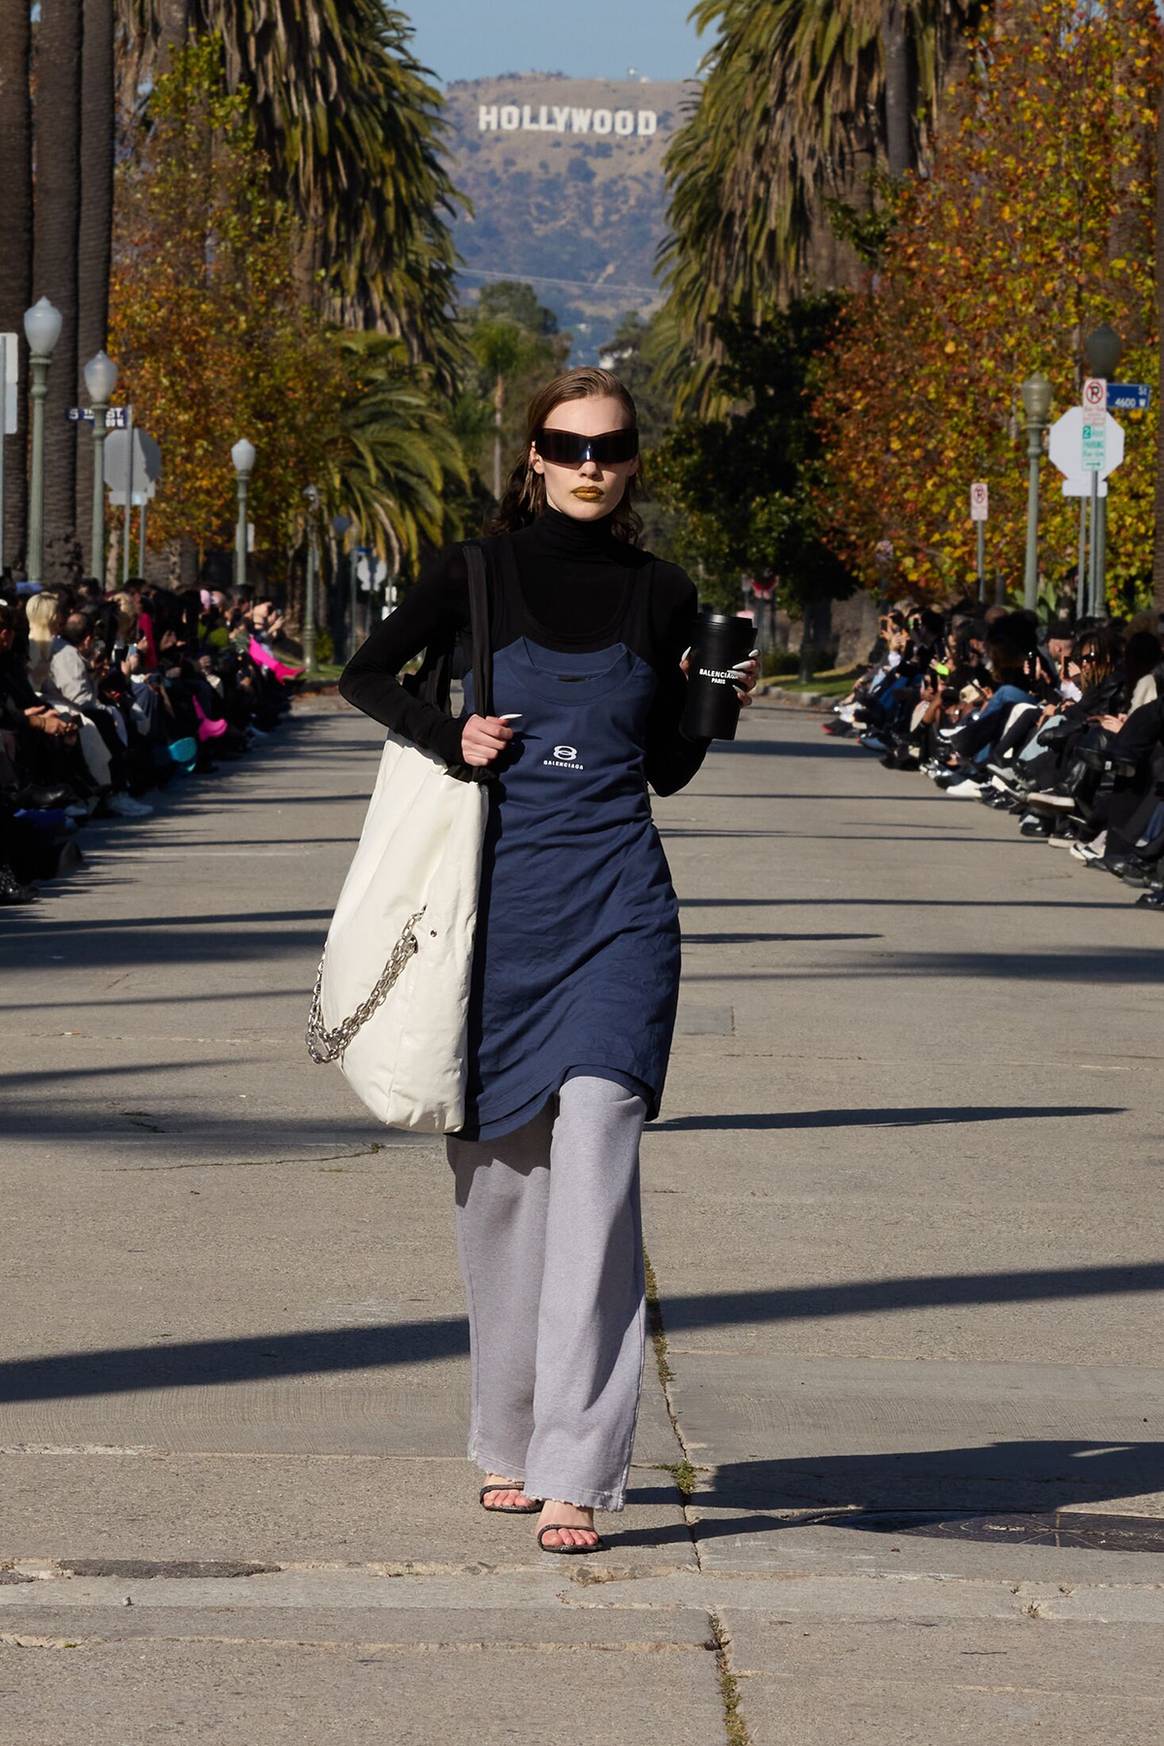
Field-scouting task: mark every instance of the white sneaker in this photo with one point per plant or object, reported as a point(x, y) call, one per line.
point(125, 806)
point(968, 790)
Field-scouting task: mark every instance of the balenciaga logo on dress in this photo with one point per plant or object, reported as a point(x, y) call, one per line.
point(564, 758)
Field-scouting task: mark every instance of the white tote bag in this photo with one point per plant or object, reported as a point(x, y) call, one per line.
point(391, 996)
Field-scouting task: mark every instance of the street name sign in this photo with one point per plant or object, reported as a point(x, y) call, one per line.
point(980, 501)
point(1066, 442)
point(116, 417)
point(1128, 396)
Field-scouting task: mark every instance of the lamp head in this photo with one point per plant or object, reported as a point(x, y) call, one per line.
point(243, 456)
point(1036, 392)
point(42, 327)
point(1103, 349)
point(101, 375)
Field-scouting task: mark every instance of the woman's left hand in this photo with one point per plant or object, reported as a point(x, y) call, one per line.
point(748, 671)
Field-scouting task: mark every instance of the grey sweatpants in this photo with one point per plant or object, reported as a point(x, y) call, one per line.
point(549, 1231)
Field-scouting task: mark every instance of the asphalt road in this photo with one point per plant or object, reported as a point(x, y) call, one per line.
point(900, 1467)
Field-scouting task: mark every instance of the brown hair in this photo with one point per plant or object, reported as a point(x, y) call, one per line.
point(524, 497)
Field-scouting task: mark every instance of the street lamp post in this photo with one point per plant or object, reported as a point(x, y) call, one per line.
point(100, 381)
point(1102, 350)
point(243, 456)
point(1036, 392)
point(312, 495)
point(42, 329)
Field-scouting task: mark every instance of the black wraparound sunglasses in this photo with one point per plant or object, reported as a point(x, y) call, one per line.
point(569, 448)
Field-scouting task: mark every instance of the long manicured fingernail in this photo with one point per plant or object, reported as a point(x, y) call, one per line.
point(685, 653)
point(516, 717)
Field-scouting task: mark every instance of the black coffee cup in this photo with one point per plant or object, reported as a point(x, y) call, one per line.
point(712, 710)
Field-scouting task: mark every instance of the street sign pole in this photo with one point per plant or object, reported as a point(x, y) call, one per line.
point(128, 524)
point(1093, 561)
point(141, 533)
point(1081, 566)
point(979, 510)
point(1101, 566)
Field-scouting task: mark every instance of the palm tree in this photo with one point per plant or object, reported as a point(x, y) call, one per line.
point(351, 125)
point(500, 348)
point(94, 231)
point(799, 96)
point(57, 116)
point(15, 237)
point(392, 456)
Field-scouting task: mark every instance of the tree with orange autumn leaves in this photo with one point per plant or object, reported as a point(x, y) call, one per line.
point(207, 324)
point(1035, 225)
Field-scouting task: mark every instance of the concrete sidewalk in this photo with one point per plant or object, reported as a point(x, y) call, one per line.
point(900, 1468)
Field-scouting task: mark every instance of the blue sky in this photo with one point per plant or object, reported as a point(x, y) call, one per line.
point(474, 39)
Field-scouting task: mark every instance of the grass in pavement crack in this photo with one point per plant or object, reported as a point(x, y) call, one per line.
point(735, 1728)
point(655, 1324)
point(683, 1472)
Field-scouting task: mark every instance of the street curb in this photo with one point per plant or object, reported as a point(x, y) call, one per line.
point(776, 695)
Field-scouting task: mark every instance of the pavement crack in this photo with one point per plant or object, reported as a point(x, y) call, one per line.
point(735, 1727)
point(683, 1472)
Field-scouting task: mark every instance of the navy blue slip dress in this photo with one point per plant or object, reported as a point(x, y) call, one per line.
point(576, 967)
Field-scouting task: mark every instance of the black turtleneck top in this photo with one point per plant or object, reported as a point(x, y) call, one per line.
point(581, 589)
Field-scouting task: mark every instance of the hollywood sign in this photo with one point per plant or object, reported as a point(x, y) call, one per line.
point(564, 118)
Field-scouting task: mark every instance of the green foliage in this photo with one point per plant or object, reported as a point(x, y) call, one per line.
point(1035, 224)
point(514, 343)
point(745, 485)
point(215, 343)
point(792, 104)
point(393, 462)
point(638, 355)
point(352, 129)
point(867, 224)
point(206, 322)
point(514, 301)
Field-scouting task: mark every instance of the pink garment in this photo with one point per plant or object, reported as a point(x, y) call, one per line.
point(260, 653)
point(207, 728)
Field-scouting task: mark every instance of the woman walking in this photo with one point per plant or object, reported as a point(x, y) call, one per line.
point(576, 964)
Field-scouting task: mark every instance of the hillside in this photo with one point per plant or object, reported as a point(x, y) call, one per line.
point(566, 180)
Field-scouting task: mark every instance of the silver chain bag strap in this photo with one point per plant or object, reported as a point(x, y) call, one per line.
point(324, 1045)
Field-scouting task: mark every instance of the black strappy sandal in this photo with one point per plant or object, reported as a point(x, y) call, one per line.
point(568, 1551)
point(535, 1504)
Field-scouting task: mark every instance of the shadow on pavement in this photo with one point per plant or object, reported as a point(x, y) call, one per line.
point(211, 1363)
point(924, 1489)
point(920, 1117)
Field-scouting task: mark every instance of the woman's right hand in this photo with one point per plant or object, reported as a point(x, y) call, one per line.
point(483, 739)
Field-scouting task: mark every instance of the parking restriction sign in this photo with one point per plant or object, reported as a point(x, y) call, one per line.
point(1095, 394)
point(1093, 443)
point(979, 501)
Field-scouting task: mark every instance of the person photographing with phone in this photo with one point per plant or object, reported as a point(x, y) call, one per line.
point(576, 965)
